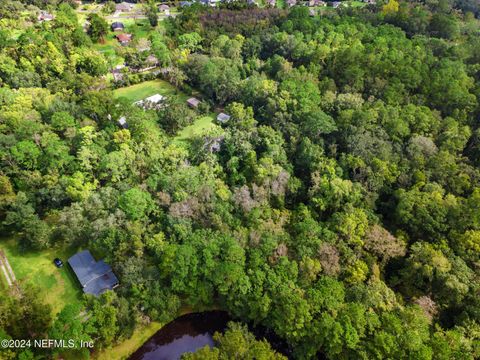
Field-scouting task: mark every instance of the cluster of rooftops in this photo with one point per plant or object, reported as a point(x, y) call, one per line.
point(156, 102)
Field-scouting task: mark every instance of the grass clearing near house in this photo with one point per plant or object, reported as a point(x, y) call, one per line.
point(356, 4)
point(108, 47)
point(201, 124)
point(148, 88)
point(59, 286)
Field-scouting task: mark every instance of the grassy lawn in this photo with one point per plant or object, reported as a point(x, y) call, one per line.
point(108, 47)
point(57, 285)
point(200, 125)
point(356, 4)
point(146, 89)
point(128, 347)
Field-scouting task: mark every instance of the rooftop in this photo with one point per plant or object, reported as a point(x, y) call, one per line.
point(124, 37)
point(95, 277)
point(155, 98)
point(222, 117)
point(194, 102)
point(117, 25)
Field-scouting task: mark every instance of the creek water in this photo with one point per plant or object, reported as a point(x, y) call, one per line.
point(187, 333)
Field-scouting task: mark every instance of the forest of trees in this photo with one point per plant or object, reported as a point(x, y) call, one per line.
point(342, 210)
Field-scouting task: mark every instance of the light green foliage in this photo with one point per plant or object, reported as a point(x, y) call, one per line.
point(136, 203)
point(237, 343)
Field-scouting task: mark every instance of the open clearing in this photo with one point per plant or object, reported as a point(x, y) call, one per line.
point(58, 286)
point(149, 88)
point(146, 89)
point(200, 125)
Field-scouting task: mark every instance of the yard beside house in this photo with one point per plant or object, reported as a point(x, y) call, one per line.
point(148, 88)
point(201, 125)
point(58, 286)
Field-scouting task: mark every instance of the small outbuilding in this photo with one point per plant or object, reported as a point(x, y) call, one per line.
point(122, 122)
point(272, 3)
point(45, 16)
point(95, 277)
point(117, 26)
point(193, 102)
point(151, 60)
point(124, 7)
point(223, 118)
point(124, 39)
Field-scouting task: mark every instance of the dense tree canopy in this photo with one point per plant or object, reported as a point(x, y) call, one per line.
point(340, 210)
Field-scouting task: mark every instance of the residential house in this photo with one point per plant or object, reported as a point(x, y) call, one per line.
point(150, 63)
point(185, 3)
point(209, 2)
point(291, 3)
point(271, 3)
point(193, 102)
point(117, 26)
point(117, 72)
point(223, 118)
point(124, 39)
point(164, 8)
point(45, 16)
point(95, 277)
point(123, 7)
point(336, 4)
point(122, 122)
point(151, 60)
point(151, 102)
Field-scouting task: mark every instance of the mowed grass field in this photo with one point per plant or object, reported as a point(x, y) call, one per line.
point(146, 89)
point(201, 125)
point(58, 286)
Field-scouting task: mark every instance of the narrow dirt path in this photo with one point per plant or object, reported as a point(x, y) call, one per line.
point(5, 273)
point(7, 265)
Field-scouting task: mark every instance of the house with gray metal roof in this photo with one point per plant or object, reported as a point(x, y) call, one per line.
point(193, 102)
point(95, 277)
point(223, 118)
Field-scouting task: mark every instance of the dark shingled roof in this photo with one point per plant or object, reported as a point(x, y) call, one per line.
point(95, 277)
point(117, 26)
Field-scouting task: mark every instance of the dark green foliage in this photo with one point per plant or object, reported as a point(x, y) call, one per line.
point(98, 27)
point(339, 206)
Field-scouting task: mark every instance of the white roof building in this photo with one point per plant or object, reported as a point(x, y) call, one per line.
point(151, 102)
point(155, 98)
